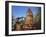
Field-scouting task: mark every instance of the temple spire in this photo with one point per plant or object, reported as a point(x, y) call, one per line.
point(29, 12)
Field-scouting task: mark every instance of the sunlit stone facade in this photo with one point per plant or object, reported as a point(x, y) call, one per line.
point(28, 20)
point(27, 23)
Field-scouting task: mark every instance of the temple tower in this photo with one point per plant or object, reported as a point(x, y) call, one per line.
point(28, 20)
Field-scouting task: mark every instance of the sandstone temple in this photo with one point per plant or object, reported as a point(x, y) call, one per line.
point(26, 23)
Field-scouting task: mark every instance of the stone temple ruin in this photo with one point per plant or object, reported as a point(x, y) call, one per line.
point(26, 23)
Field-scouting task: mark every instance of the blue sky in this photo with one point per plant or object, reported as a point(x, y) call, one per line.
point(18, 11)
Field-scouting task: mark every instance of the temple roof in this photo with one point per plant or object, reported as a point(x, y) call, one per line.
point(29, 10)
